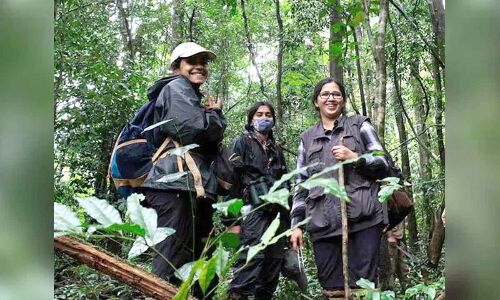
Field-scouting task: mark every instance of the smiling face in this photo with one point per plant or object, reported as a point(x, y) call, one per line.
point(330, 101)
point(194, 68)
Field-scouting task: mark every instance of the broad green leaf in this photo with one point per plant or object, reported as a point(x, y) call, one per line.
point(358, 18)
point(330, 185)
point(232, 207)
point(128, 227)
point(181, 150)
point(183, 292)
point(431, 293)
point(183, 272)
point(65, 219)
point(288, 176)
point(388, 295)
point(138, 247)
point(207, 273)
point(365, 283)
point(101, 211)
point(289, 231)
point(265, 239)
point(142, 244)
point(387, 190)
point(222, 259)
point(235, 208)
point(230, 240)
point(376, 295)
point(144, 217)
point(279, 197)
point(156, 125)
point(172, 177)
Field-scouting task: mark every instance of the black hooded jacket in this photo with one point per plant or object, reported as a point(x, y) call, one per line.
point(178, 101)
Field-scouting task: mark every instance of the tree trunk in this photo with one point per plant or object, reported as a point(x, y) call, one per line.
point(147, 283)
point(403, 139)
point(251, 49)
point(425, 170)
point(359, 72)
point(437, 241)
point(437, 16)
point(378, 47)
point(279, 100)
point(126, 33)
point(335, 43)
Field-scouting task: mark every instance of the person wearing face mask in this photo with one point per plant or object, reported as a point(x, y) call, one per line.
point(259, 162)
point(183, 203)
point(336, 138)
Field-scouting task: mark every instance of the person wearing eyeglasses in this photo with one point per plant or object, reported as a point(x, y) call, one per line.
point(336, 138)
point(184, 202)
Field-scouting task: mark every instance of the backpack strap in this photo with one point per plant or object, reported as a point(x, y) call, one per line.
point(195, 171)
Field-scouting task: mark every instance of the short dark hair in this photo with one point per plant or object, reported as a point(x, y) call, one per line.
point(252, 110)
point(319, 86)
point(176, 64)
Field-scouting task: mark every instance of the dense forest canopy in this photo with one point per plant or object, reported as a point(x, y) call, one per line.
point(388, 53)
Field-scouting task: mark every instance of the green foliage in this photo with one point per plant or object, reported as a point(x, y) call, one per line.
point(230, 207)
point(391, 185)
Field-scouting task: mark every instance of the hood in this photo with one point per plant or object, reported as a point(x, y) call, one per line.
point(155, 89)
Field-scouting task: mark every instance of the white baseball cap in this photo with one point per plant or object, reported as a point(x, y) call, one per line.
point(189, 49)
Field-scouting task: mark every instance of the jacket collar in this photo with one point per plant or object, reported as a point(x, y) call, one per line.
point(318, 131)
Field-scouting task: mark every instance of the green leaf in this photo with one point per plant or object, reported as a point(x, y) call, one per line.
point(172, 177)
point(232, 207)
point(183, 272)
point(358, 18)
point(230, 240)
point(144, 217)
point(101, 211)
point(387, 190)
point(207, 273)
point(181, 150)
point(265, 240)
point(388, 295)
point(288, 176)
point(183, 291)
point(365, 283)
point(128, 227)
point(156, 125)
point(279, 197)
point(65, 219)
point(222, 260)
point(330, 185)
point(431, 293)
point(138, 247)
point(376, 295)
point(289, 231)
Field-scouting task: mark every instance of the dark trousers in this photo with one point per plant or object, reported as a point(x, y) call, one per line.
point(363, 256)
point(175, 210)
point(261, 275)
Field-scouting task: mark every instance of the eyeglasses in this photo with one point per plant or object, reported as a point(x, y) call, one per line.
point(326, 95)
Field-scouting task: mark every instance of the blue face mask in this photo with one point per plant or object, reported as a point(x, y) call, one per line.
point(263, 125)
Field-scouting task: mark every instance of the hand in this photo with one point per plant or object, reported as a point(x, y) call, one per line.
point(213, 103)
point(296, 239)
point(234, 229)
point(342, 153)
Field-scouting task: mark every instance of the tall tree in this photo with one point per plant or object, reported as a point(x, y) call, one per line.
point(335, 45)
point(378, 50)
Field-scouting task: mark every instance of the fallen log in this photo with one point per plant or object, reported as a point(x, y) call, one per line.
point(147, 283)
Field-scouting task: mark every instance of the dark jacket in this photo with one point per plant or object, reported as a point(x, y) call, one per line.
point(252, 161)
point(364, 209)
point(190, 123)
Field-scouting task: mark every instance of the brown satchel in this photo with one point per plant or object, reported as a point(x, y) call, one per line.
point(398, 207)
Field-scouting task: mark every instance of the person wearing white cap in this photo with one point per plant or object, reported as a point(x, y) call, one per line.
point(184, 202)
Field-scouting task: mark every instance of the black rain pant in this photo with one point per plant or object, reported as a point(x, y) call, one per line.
point(363, 256)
